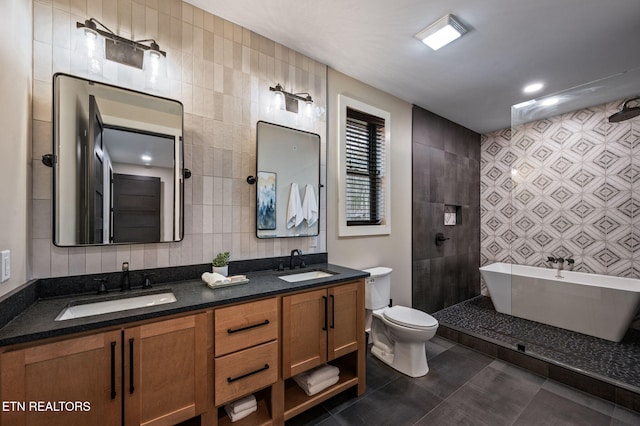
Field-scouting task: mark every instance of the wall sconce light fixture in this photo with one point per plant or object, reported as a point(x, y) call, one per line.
point(102, 43)
point(289, 101)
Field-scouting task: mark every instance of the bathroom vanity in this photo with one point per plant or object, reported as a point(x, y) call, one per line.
point(169, 363)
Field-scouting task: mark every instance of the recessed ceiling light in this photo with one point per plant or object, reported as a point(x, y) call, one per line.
point(146, 158)
point(441, 32)
point(533, 87)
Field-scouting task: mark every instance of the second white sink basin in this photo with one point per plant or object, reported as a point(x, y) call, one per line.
point(115, 305)
point(304, 276)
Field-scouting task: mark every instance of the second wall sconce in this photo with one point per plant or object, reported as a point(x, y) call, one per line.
point(98, 44)
point(289, 101)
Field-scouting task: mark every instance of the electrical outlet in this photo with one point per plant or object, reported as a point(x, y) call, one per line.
point(5, 264)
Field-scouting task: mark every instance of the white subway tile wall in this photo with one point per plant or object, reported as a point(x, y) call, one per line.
point(221, 73)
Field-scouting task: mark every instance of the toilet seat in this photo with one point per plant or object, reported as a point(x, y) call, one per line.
point(409, 317)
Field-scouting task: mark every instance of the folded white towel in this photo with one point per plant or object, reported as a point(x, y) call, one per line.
point(240, 415)
point(319, 374)
point(309, 205)
point(295, 215)
point(312, 390)
point(214, 278)
point(242, 404)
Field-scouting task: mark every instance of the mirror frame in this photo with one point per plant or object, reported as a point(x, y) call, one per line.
point(178, 165)
point(319, 183)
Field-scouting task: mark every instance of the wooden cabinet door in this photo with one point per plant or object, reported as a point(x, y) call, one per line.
point(165, 371)
point(84, 372)
point(346, 319)
point(304, 331)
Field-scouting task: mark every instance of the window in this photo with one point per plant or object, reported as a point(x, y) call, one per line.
point(364, 207)
point(364, 168)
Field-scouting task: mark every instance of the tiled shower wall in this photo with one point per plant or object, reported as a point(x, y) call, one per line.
point(564, 186)
point(446, 168)
point(221, 72)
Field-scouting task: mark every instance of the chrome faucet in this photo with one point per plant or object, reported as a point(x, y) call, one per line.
point(125, 283)
point(560, 262)
point(292, 258)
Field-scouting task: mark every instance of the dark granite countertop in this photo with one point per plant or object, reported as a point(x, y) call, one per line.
point(38, 320)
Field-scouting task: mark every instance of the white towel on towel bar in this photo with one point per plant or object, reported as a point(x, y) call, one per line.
point(295, 215)
point(309, 205)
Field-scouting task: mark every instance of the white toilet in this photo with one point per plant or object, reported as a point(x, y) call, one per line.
point(398, 333)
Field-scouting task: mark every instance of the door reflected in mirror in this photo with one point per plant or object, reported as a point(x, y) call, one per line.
point(118, 169)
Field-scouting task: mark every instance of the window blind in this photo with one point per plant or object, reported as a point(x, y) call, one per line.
point(364, 168)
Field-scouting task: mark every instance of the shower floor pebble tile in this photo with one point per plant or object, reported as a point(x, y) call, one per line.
point(618, 363)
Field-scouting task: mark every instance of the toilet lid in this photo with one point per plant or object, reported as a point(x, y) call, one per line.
point(409, 317)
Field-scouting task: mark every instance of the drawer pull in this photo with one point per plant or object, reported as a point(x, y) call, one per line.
point(260, 324)
point(231, 380)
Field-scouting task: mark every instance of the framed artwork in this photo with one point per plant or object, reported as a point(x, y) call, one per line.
point(266, 217)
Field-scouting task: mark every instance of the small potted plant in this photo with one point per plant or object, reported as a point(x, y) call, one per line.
point(221, 263)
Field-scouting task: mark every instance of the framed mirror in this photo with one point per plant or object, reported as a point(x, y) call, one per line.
point(118, 165)
point(287, 182)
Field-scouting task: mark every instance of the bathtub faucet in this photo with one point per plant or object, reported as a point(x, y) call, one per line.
point(560, 262)
point(570, 263)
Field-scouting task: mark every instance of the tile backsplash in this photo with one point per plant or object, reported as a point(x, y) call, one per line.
point(221, 73)
point(565, 186)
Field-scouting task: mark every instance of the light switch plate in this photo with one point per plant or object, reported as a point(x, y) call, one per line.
point(5, 265)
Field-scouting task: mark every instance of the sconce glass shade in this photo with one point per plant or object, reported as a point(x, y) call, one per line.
point(308, 108)
point(90, 50)
point(155, 69)
point(278, 100)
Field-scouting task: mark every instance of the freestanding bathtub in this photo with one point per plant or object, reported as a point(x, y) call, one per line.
point(598, 305)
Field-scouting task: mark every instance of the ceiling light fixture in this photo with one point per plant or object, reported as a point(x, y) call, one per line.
point(533, 87)
point(99, 44)
point(289, 101)
point(442, 32)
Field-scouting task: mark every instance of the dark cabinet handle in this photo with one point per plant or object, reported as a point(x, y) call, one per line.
point(235, 330)
point(131, 387)
point(113, 370)
point(326, 313)
point(333, 311)
point(233, 379)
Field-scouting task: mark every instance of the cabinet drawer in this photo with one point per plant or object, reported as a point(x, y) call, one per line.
point(244, 372)
point(242, 326)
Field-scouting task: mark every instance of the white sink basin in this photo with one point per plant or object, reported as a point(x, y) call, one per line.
point(104, 307)
point(304, 276)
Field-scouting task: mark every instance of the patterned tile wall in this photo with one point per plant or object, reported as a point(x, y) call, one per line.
point(563, 186)
point(221, 73)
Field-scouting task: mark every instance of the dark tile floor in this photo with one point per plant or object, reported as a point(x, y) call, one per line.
point(464, 387)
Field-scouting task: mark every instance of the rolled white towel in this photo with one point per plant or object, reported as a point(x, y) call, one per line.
point(243, 404)
point(240, 415)
point(319, 374)
point(214, 278)
point(312, 390)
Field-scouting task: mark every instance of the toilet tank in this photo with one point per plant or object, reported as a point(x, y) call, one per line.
point(377, 288)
